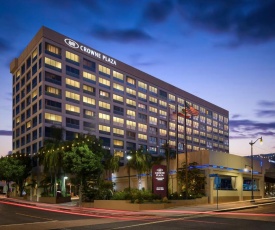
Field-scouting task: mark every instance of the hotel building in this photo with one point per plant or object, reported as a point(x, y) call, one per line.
point(58, 81)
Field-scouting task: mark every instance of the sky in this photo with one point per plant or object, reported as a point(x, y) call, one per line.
point(220, 51)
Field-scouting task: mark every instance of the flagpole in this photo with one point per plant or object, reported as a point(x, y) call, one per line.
point(185, 150)
point(177, 142)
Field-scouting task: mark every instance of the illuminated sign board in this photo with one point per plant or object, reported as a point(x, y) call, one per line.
point(73, 44)
point(159, 180)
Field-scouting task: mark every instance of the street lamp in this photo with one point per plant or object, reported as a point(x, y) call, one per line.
point(252, 180)
point(129, 158)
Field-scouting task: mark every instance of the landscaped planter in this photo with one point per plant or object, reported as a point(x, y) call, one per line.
point(54, 200)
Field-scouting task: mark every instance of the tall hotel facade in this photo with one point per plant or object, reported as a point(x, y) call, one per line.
point(61, 82)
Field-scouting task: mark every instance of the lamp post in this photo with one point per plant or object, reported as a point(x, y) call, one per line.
point(252, 179)
point(129, 158)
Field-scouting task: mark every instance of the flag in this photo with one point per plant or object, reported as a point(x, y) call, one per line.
point(191, 110)
point(173, 115)
point(181, 113)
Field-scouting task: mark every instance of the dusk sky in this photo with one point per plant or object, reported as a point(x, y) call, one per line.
point(222, 51)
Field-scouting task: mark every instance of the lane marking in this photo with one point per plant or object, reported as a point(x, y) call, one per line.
point(22, 214)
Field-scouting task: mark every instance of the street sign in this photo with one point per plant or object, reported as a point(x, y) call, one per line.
point(213, 175)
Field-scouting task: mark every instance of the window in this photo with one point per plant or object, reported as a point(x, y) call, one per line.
point(34, 55)
point(142, 96)
point(87, 64)
point(104, 106)
point(117, 98)
point(131, 103)
point(52, 118)
point(142, 107)
point(142, 137)
point(142, 127)
point(88, 113)
point(163, 103)
point(153, 140)
point(118, 110)
point(163, 94)
point(118, 88)
point(142, 86)
point(171, 97)
point(72, 83)
point(131, 114)
point(72, 108)
point(162, 113)
point(118, 143)
point(53, 78)
point(89, 77)
point(53, 105)
point(118, 76)
point(71, 56)
point(104, 71)
point(172, 126)
point(118, 121)
point(72, 123)
point(53, 49)
point(104, 94)
point(88, 89)
point(88, 101)
point(162, 132)
point(104, 129)
point(153, 120)
point(72, 71)
point(104, 83)
point(105, 118)
point(50, 63)
point(153, 100)
point(118, 132)
point(89, 126)
point(130, 81)
point(131, 92)
point(153, 90)
point(73, 96)
point(131, 124)
point(153, 109)
point(52, 90)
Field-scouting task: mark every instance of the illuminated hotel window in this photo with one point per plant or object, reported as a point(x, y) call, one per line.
point(202, 110)
point(215, 123)
point(209, 121)
point(153, 100)
point(52, 90)
point(72, 96)
point(162, 113)
point(17, 120)
point(131, 125)
point(104, 70)
point(171, 97)
point(104, 94)
point(215, 116)
point(225, 128)
point(118, 143)
point(50, 62)
point(172, 126)
point(188, 122)
point(18, 74)
point(53, 49)
point(142, 127)
point(196, 107)
point(202, 119)
point(173, 107)
point(209, 129)
point(118, 121)
point(34, 54)
point(189, 131)
point(153, 90)
point(202, 134)
point(88, 89)
point(117, 98)
point(104, 105)
point(72, 83)
point(142, 136)
point(90, 77)
point(131, 103)
point(88, 113)
point(53, 117)
point(180, 101)
point(202, 142)
point(180, 120)
point(215, 130)
point(34, 94)
point(104, 118)
point(72, 108)
point(131, 114)
point(195, 125)
point(117, 131)
point(131, 92)
point(105, 83)
point(142, 96)
point(162, 103)
point(104, 129)
point(153, 120)
point(118, 76)
point(209, 136)
point(118, 87)
point(28, 125)
point(130, 81)
point(220, 132)
point(153, 109)
point(180, 128)
point(89, 101)
point(72, 57)
point(172, 143)
point(142, 107)
point(172, 134)
point(142, 86)
point(180, 136)
point(226, 120)
point(221, 118)
point(162, 132)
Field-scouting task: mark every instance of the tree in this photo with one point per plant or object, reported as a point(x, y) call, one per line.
point(196, 179)
point(111, 163)
point(82, 162)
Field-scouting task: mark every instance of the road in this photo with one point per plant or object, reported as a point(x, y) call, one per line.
point(16, 216)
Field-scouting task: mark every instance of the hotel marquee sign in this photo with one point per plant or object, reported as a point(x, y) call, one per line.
point(89, 51)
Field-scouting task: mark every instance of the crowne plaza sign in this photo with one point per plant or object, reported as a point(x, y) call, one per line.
point(73, 44)
point(159, 177)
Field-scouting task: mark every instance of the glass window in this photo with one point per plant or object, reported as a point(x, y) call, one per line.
point(142, 136)
point(142, 127)
point(104, 94)
point(104, 82)
point(104, 105)
point(72, 56)
point(104, 129)
point(153, 120)
point(87, 64)
point(131, 114)
point(142, 96)
point(104, 117)
point(52, 90)
point(118, 87)
point(89, 76)
point(53, 63)
point(104, 70)
point(131, 81)
point(72, 83)
point(162, 103)
point(162, 113)
point(131, 124)
point(118, 121)
point(153, 89)
point(162, 132)
point(89, 100)
point(117, 98)
point(118, 76)
point(118, 131)
point(153, 109)
point(88, 89)
point(142, 86)
point(131, 92)
point(53, 49)
point(53, 117)
point(153, 100)
point(72, 108)
point(131, 102)
point(73, 96)
point(171, 97)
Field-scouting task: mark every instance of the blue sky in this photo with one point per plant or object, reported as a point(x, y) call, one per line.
point(221, 51)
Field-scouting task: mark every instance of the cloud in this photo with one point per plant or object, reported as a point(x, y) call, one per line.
point(267, 103)
point(236, 116)
point(122, 35)
point(249, 129)
point(4, 45)
point(5, 133)
point(245, 21)
point(266, 113)
point(157, 12)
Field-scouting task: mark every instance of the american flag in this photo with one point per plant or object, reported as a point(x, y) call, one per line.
point(191, 110)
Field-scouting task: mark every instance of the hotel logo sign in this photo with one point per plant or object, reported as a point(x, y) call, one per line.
point(159, 180)
point(89, 51)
